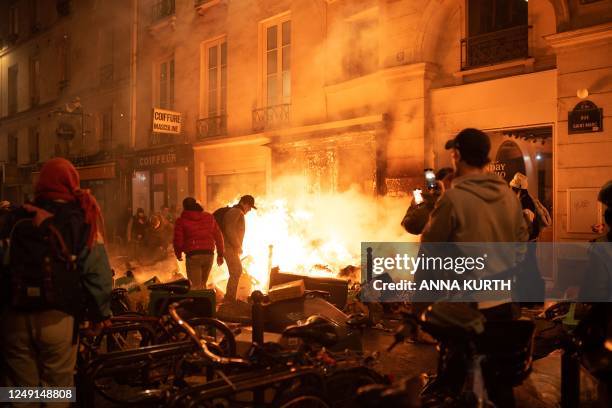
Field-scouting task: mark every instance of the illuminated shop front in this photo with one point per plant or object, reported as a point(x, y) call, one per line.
point(162, 177)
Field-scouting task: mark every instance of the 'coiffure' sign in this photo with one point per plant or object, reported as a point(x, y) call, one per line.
point(165, 121)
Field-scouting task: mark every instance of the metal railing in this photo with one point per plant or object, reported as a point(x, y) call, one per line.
point(162, 9)
point(493, 48)
point(212, 126)
point(271, 117)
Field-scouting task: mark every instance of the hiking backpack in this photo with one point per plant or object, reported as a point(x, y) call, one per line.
point(42, 272)
point(219, 215)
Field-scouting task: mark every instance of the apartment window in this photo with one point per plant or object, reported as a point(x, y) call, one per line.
point(486, 16)
point(217, 79)
point(34, 81)
point(497, 32)
point(162, 9)
point(13, 23)
point(64, 61)
point(277, 62)
point(13, 74)
point(12, 148)
point(33, 144)
point(106, 129)
point(166, 84)
point(214, 96)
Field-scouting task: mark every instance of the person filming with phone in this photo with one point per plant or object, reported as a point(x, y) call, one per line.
point(423, 201)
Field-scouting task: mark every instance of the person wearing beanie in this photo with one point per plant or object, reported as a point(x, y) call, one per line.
point(197, 234)
point(39, 344)
point(234, 228)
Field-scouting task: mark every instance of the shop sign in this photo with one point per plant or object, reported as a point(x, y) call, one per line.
point(162, 157)
point(498, 168)
point(165, 121)
point(586, 117)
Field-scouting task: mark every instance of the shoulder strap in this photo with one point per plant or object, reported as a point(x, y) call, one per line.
point(7, 257)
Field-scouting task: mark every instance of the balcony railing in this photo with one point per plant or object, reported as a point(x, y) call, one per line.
point(162, 9)
point(212, 126)
point(494, 48)
point(271, 117)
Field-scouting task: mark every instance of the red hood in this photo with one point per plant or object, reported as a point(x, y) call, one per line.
point(193, 215)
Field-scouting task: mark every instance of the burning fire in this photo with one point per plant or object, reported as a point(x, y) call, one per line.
point(304, 234)
point(314, 235)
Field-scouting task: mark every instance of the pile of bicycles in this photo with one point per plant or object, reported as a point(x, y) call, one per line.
point(177, 361)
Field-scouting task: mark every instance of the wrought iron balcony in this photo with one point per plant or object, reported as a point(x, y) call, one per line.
point(496, 47)
point(212, 126)
point(162, 9)
point(271, 117)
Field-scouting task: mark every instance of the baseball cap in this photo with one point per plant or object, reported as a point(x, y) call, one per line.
point(248, 199)
point(474, 146)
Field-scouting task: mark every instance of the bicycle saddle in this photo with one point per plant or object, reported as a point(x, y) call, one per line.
point(455, 317)
point(180, 286)
point(316, 329)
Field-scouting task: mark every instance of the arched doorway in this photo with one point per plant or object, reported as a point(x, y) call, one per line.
point(508, 161)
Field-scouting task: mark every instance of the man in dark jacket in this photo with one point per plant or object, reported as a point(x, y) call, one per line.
point(196, 233)
point(233, 232)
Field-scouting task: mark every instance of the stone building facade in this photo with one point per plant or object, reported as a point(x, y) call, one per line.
point(65, 75)
point(365, 93)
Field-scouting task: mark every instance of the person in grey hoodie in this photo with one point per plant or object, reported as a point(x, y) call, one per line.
point(479, 206)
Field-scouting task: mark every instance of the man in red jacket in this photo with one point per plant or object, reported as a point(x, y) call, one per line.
point(196, 233)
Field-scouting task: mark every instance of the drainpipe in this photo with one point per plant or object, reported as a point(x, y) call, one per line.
point(133, 73)
point(3, 180)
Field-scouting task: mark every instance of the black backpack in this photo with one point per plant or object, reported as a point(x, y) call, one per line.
point(219, 215)
point(42, 271)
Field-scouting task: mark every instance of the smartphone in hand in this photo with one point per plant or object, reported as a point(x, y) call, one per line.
point(430, 179)
point(418, 196)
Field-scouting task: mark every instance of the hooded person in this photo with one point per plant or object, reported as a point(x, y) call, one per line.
point(37, 344)
point(197, 234)
point(479, 207)
point(535, 214)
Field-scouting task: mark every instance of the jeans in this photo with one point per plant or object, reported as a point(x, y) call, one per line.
point(38, 350)
point(198, 268)
point(234, 266)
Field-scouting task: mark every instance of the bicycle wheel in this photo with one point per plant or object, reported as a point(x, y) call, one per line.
point(128, 335)
point(342, 385)
point(220, 338)
point(301, 397)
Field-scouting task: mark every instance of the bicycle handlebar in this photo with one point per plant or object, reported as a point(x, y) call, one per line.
point(199, 341)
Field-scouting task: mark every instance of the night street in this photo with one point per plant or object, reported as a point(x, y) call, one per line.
point(306, 203)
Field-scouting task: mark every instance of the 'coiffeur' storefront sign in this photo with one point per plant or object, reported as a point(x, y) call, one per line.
point(164, 156)
point(165, 121)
